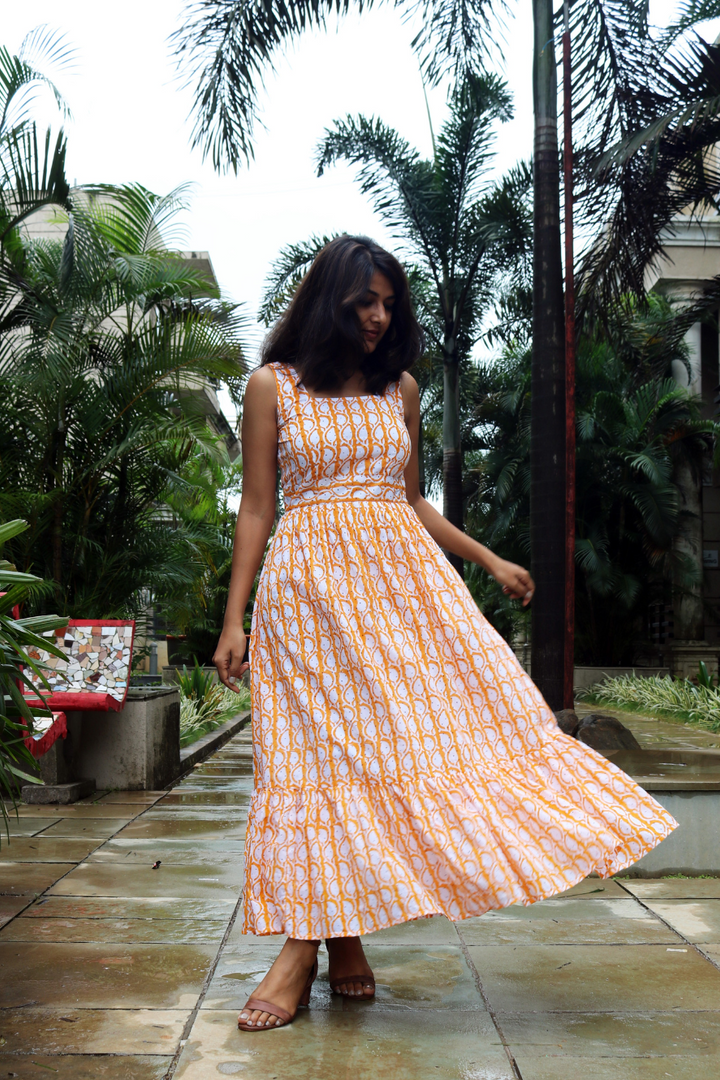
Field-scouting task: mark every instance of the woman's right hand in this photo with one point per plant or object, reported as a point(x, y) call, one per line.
point(228, 658)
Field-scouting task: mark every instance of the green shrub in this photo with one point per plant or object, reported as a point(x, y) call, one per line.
point(16, 637)
point(200, 715)
point(678, 699)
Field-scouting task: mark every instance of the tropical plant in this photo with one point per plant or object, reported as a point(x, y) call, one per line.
point(634, 424)
point(106, 345)
point(462, 232)
point(17, 636)
point(32, 165)
point(195, 683)
point(659, 695)
point(199, 716)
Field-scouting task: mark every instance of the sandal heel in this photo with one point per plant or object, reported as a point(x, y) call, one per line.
point(305, 999)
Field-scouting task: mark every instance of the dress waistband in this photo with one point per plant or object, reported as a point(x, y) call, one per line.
point(337, 502)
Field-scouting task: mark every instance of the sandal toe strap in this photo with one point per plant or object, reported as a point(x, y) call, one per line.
point(257, 1005)
point(366, 980)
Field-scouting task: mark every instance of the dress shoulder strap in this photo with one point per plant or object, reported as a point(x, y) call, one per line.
point(285, 383)
point(395, 394)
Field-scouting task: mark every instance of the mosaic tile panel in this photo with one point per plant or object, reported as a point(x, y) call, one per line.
point(97, 660)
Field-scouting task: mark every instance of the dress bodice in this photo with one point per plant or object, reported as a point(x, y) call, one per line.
point(339, 448)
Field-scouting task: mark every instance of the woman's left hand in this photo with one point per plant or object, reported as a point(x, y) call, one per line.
point(515, 580)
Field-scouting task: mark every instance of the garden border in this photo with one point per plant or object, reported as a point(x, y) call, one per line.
point(192, 755)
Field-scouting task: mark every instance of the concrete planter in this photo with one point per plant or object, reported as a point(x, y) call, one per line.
point(137, 749)
point(687, 784)
point(171, 673)
point(586, 677)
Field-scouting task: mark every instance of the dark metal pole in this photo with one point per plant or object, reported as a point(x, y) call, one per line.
point(569, 665)
point(547, 421)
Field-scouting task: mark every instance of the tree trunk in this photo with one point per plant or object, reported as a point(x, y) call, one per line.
point(58, 508)
point(452, 452)
point(547, 440)
point(688, 614)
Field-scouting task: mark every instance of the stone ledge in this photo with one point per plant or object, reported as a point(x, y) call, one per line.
point(196, 752)
point(58, 794)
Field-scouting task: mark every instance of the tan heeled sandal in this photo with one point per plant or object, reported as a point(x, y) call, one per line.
point(257, 1005)
point(366, 980)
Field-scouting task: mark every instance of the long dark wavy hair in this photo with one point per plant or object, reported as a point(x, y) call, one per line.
point(319, 333)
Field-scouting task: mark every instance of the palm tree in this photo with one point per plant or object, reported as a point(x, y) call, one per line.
point(107, 337)
point(462, 235)
point(32, 165)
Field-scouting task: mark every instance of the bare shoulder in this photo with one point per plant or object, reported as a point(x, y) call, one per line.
point(261, 391)
point(410, 391)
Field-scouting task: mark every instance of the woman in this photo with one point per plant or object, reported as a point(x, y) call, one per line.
point(405, 765)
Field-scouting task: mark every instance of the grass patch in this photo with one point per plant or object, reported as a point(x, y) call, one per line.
point(661, 696)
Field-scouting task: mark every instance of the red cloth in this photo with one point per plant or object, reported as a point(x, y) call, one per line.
point(57, 730)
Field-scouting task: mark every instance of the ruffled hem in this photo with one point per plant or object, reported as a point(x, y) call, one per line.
point(324, 863)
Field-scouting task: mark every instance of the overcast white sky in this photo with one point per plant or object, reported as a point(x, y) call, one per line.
point(130, 122)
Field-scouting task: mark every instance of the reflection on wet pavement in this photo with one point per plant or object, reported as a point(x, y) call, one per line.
point(124, 959)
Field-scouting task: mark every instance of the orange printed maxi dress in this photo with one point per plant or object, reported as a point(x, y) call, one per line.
point(405, 764)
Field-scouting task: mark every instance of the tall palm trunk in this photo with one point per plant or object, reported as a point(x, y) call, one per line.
point(547, 439)
point(59, 504)
point(452, 451)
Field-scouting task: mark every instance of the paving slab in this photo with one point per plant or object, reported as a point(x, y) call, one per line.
point(170, 852)
point(712, 952)
point(92, 976)
point(91, 1031)
point(196, 782)
point(121, 931)
point(49, 849)
point(571, 921)
point(199, 881)
point(616, 1035)
point(25, 827)
point(533, 1067)
point(242, 767)
point(407, 977)
point(696, 920)
point(594, 889)
point(180, 797)
point(358, 1044)
point(144, 798)
point(146, 907)
point(436, 930)
point(29, 879)
point(172, 827)
point(596, 978)
point(76, 810)
point(84, 1067)
point(10, 906)
point(678, 888)
point(96, 828)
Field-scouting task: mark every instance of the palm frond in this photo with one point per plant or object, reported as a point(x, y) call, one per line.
point(288, 270)
point(225, 49)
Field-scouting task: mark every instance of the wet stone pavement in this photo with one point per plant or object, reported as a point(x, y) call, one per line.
point(113, 970)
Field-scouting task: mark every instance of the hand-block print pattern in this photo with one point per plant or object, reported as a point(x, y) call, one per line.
point(405, 763)
point(97, 660)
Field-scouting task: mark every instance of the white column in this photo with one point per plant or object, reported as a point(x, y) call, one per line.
point(693, 382)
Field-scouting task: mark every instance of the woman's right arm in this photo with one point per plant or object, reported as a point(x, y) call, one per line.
point(255, 517)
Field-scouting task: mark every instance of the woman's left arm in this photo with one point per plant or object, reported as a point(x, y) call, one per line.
point(516, 581)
